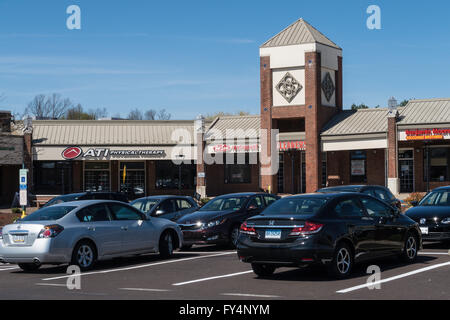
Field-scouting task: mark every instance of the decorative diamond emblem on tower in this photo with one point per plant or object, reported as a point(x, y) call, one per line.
point(328, 86)
point(289, 87)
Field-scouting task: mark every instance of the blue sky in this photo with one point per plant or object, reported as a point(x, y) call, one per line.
point(198, 56)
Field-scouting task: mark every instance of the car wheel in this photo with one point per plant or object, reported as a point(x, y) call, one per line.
point(410, 249)
point(234, 236)
point(342, 263)
point(263, 270)
point(166, 245)
point(186, 247)
point(84, 255)
point(29, 267)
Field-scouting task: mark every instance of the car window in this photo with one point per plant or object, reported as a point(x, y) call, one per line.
point(348, 208)
point(98, 212)
point(300, 205)
point(255, 203)
point(49, 213)
point(368, 192)
point(183, 204)
point(269, 200)
point(167, 206)
point(121, 212)
point(224, 203)
point(375, 208)
point(436, 198)
point(381, 194)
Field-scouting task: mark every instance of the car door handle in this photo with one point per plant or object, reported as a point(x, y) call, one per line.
point(124, 228)
point(91, 228)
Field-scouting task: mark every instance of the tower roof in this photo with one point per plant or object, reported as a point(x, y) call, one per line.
point(300, 32)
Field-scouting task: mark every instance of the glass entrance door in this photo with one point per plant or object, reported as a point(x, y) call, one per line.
point(406, 170)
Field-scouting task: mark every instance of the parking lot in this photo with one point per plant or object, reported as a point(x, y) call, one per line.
point(210, 272)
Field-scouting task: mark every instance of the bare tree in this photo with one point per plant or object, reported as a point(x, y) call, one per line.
point(98, 113)
point(163, 115)
point(135, 114)
point(37, 107)
point(57, 106)
point(51, 107)
point(150, 114)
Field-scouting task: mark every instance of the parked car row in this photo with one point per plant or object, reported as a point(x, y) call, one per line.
point(335, 227)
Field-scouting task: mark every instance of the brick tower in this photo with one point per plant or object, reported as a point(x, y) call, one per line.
point(301, 89)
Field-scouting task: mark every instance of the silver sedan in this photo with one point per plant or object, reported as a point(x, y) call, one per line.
point(83, 232)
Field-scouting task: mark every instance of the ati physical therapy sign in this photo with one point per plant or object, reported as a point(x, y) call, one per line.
point(72, 153)
point(425, 134)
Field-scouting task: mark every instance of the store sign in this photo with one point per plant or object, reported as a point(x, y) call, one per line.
point(72, 153)
point(357, 168)
point(234, 148)
point(291, 145)
point(425, 134)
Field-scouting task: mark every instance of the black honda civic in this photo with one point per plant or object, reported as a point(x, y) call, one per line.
point(332, 229)
point(433, 215)
point(218, 221)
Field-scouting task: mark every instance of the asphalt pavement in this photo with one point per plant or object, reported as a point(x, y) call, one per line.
point(214, 273)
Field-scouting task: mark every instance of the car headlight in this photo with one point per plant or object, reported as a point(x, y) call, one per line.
point(445, 221)
point(215, 223)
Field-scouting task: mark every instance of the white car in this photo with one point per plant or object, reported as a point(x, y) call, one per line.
point(83, 232)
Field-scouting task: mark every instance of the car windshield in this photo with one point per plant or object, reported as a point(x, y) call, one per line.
point(436, 198)
point(225, 203)
point(49, 213)
point(145, 204)
point(62, 199)
point(300, 205)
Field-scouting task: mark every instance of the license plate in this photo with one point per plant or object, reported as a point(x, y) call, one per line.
point(19, 239)
point(424, 230)
point(273, 234)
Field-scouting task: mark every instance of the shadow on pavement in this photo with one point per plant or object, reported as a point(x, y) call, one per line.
point(319, 273)
point(117, 263)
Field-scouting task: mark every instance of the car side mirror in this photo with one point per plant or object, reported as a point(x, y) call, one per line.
point(414, 203)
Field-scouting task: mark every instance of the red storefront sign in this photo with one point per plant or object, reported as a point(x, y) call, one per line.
point(427, 134)
point(291, 145)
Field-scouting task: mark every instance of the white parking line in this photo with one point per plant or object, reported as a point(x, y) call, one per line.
point(212, 278)
point(9, 268)
point(249, 295)
point(144, 289)
point(439, 253)
point(407, 274)
point(142, 266)
point(52, 284)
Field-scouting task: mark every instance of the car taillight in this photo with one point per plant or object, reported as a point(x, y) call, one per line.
point(50, 231)
point(1, 233)
point(307, 228)
point(247, 230)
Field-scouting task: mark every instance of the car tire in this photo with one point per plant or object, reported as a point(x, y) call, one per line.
point(166, 245)
point(234, 236)
point(342, 264)
point(186, 247)
point(84, 255)
point(263, 270)
point(29, 267)
point(410, 249)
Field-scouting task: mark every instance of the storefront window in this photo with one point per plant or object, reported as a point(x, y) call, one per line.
point(358, 165)
point(96, 176)
point(439, 161)
point(134, 182)
point(238, 173)
point(172, 176)
point(52, 177)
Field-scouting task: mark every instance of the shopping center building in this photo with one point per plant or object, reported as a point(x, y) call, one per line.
point(303, 138)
